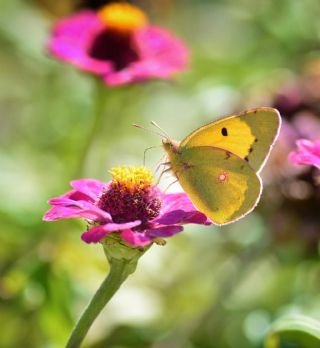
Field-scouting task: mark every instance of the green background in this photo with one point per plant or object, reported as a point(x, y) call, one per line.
point(209, 286)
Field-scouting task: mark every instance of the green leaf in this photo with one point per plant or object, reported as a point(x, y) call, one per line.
point(296, 332)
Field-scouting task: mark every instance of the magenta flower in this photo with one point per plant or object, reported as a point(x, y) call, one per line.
point(130, 205)
point(118, 44)
point(308, 152)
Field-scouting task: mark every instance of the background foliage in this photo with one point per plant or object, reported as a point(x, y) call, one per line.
point(208, 287)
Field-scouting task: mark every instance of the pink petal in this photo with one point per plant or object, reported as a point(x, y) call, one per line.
point(307, 153)
point(309, 146)
point(176, 201)
point(136, 238)
point(160, 46)
point(72, 38)
point(66, 208)
point(74, 195)
point(165, 231)
point(182, 217)
point(171, 217)
point(90, 187)
point(161, 55)
point(98, 232)
point(177, 208)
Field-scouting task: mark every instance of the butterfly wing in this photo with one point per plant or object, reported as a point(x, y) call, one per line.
point(220, 184)
point(250, 135)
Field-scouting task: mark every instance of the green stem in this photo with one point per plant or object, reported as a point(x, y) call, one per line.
point(120, 269)
point(98, 114)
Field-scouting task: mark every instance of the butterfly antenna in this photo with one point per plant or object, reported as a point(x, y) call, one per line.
point(163, 132)
point(149, 130)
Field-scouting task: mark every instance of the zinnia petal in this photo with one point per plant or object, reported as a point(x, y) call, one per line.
point(136, 238)
point(72, 38)
point(161, 55)
point(177, 208)
point(155, 43)
point(65, 208)
point(165, 231)
point(90, 187)
point(98, 232)
point(183, 217)
point(72, 194)
point(307, 153)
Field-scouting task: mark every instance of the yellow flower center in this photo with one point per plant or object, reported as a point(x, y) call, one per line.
point(122, 17)
point(132, 177)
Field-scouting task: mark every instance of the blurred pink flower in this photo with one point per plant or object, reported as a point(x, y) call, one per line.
point(130, 204)
point(118, 44)
point(308, 152)
point(303, 125)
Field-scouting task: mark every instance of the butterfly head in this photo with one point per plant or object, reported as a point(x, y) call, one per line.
point(171, 146)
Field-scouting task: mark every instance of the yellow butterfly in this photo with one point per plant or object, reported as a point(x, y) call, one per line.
point(217, 165)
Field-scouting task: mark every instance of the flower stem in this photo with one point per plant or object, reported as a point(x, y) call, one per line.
point(120, 269)
point(98, 114)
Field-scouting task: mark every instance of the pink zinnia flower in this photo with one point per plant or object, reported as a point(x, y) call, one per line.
point(130, 205)
point(118, 44)
point(308, 152)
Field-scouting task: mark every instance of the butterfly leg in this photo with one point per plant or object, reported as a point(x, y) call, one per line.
point(161, 163)
point(161, 174)
point(167, 188)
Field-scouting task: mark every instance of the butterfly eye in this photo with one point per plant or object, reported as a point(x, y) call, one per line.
point(224, 131)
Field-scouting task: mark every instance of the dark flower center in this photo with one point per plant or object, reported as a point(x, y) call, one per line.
point(125, 205)
point(114, 46)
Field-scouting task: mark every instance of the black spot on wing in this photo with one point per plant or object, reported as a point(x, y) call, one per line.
point(246, 158)
point(256, 140)
point(251, 149)
point(227, 155)
point(224, 131)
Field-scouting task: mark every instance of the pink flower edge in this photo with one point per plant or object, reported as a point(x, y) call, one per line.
point(81, 202)
point(307, 153)
point(161, 56)
point(71, 39)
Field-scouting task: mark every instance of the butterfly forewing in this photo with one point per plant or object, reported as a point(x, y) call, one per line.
point(249, 135)
point(219, 183)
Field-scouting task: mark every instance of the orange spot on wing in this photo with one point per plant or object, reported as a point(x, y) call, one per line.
point(222, 177)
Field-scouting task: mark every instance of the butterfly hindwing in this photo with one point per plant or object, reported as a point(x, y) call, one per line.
point(219, 183)
point(249, 135)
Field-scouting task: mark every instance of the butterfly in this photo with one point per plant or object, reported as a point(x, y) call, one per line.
point(218, 164)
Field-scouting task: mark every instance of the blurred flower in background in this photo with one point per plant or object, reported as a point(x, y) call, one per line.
point(294, 191)
point(118, 43)
point(307, 153)
point(130, 204)
point(60, 8)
